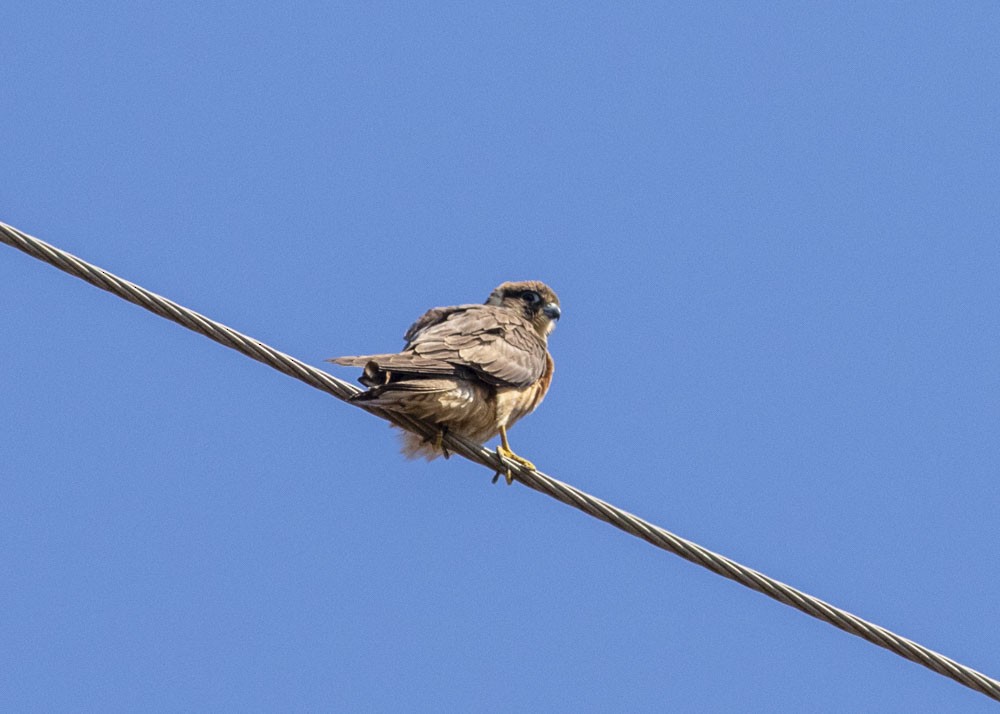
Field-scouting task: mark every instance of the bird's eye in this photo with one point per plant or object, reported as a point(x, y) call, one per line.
point(531, 297)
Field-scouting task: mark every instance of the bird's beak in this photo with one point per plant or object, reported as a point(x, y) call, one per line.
point(552, 311)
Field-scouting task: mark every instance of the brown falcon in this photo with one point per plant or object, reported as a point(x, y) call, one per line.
point(472, 370)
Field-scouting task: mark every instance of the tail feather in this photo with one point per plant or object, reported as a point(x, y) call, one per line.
point(400, 394)
point(356, 361)
point(400, 363)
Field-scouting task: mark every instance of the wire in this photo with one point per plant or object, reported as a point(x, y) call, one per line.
point(532, 478)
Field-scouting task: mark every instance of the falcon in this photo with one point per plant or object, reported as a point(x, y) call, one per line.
point(472, 370)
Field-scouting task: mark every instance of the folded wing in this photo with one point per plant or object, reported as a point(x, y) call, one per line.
point(495, 344)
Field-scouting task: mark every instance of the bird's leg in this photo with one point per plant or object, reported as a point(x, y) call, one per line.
point(439, 442)
point(505, 451)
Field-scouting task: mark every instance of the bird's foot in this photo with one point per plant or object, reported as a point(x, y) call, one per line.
point(508, 454)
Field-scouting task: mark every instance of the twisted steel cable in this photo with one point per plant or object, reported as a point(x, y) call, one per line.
point(534, 479)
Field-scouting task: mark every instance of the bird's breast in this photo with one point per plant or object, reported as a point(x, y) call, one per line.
point(516, 402)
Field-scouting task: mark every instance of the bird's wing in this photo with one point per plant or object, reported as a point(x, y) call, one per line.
point(434, 316)
point(493, 343)
point(407, 362)
point(499, 345)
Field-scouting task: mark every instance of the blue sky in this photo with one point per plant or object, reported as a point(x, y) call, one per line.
point(773, 229)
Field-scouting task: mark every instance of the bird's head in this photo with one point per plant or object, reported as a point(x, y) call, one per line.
point(533, 299)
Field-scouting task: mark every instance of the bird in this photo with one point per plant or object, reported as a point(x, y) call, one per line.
point(472, 369)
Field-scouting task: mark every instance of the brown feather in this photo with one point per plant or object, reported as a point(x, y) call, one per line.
point(470, 369)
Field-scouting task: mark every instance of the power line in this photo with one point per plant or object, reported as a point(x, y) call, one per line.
point(533, 479)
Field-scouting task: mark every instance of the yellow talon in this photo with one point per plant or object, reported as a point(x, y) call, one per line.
point(505, 451)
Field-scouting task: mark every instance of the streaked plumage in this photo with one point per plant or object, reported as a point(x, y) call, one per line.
point(473, 370)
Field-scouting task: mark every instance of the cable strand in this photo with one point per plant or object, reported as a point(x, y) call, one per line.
point(534, 479)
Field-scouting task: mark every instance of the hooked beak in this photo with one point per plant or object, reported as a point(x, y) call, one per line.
point(552, 311)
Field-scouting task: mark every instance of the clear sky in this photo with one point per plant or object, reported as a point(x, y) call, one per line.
point(773, 229)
